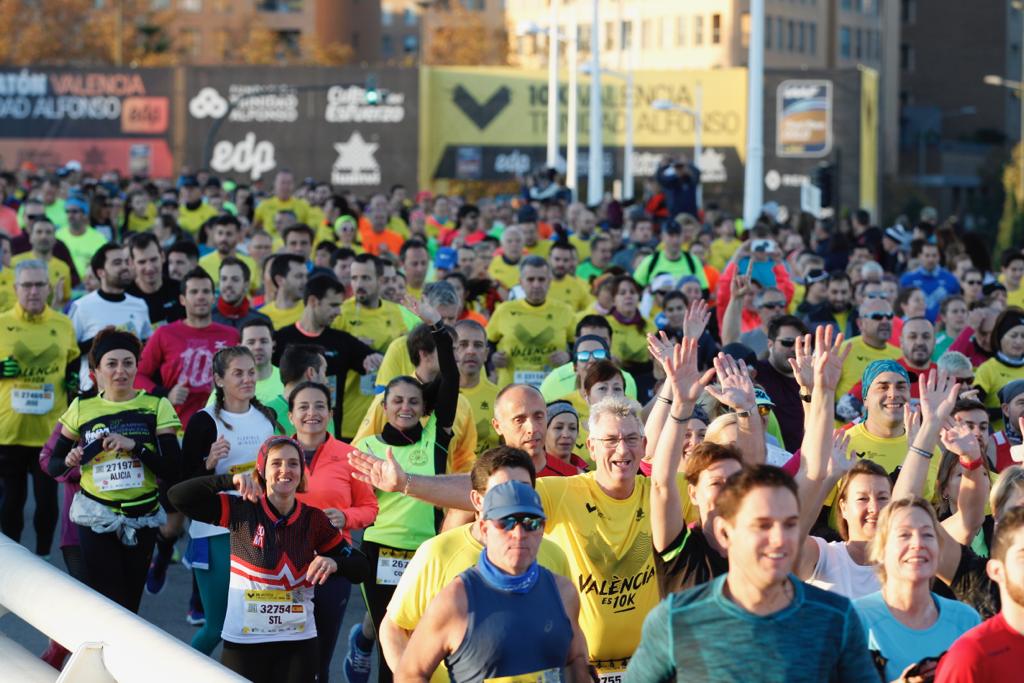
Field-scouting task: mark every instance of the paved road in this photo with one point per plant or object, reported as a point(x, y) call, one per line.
point(166, 610)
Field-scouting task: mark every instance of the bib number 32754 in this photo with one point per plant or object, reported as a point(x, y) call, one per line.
point(273, 612)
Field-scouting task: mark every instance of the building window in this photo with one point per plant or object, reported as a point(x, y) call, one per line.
point(386, 17)
point(716, 29)
point(845, 42)
point(681, 31)
point(767, 32)
point(355, 40)
point(387, 47)
point(790, 35)
point(801, 37)
point(908, 12)
point(698, 30)
point(812, 38)
point(659, 26)
point(645, 34)
point(583, 37)
point(409, 17)
point(609, 35)
point(858, 44)
point(626, 28)
point(906, 57)
point(410, 44)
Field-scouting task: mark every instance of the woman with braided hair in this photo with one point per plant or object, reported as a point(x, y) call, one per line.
point(222, 439)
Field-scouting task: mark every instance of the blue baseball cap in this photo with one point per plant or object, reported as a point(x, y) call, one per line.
point(446, 258)
point(512, 498)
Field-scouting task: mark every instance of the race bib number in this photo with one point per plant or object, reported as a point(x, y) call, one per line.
point(273, 612)
point(545, 676)
point(118, 474)
point(391, 565)
point(611, 676)
point(32, 401)
point(532, 377)
point(368, 384)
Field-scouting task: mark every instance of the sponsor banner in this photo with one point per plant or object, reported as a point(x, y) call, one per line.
point(96, 103)
point(129, 156)
point(803, 123)
point(490, 123)
point(248, 123)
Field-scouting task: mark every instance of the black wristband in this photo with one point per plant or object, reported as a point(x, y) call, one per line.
point(681, 420)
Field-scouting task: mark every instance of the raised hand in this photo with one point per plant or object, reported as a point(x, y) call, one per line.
point(696, 319)
point(735, 389)
point(660, 348)
point(178, 393)
point(959, 439)
point(842, 461)
point(829, 356)
point(803, 362)
point(386, 475)
point(938, 392)
point(681, 371)
point(218, 451)
point(423, 310)
point(911, 422)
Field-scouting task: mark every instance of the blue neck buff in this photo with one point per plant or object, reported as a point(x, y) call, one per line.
point(499, 580)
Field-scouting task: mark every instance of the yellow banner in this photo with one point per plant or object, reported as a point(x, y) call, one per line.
point(467, 109)
point(869, 141)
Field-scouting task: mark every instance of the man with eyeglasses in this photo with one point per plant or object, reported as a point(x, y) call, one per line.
point(874, 320)
point(37, 350)
point(506, 618)
point(81, 239)
point(42, 235)
point(776, 376)
point(602, 520)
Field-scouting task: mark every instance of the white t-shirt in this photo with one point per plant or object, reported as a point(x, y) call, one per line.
point(93, 312)
point(248, 432)
point(836, 571)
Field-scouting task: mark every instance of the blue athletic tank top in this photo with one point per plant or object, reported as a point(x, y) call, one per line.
point(511, 634)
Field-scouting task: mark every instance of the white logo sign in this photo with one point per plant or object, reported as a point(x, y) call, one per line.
point(248, 156)
point(260, 103)
point(208, 104)
point(773, 180)
point(349, 105)
point(712, 166)
point(356, 164)
point(512, 162)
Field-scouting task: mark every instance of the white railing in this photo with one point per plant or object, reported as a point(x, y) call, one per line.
point(109, 644)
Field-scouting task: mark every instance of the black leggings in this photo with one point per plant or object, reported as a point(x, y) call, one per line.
point(329, 603)
point(377, 597)
point(17, 463)
point(115, 570)
point(285, 661)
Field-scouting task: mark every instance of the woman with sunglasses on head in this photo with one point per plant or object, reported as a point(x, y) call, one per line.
point(222, 439)
point(280, 550)
point(1005, 366)
point(123, 440)
point(349, 503)
point(403, 523)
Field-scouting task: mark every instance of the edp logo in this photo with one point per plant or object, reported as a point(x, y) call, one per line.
point(246, 156)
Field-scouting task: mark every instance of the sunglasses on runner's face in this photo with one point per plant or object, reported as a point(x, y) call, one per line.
point(787, 342)
point(877, 315)
point(973, 283)
point(773, 304)
point(596, 354)
point(529, 522)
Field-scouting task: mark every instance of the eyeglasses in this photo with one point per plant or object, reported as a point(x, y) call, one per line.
point(36, 217)
point(788, 343)
point(663, 292)
point(529, 522)
point(973, 283)
point(33, 285)
point(878, 315)
point(596, 354)
point(877, 295)
point(612, 442)
point(773, 304)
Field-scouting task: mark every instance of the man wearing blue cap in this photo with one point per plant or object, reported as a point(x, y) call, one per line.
point(507, 616)
point(1011, 402)
point(81, 239)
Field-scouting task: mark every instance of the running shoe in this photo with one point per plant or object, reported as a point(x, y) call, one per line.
point(195, 617)
point(357, 661)
point(156, 577)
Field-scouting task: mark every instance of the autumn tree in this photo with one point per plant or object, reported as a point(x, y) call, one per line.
point(455, 36)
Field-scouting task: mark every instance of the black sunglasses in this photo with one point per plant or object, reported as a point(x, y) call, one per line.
point(877, 315)
point(773, 304)
point(788, 343)
point(529, 522)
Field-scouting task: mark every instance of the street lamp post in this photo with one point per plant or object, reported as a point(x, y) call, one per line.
point(697, 112)
point(753, 189)
point(595, 181)
point(552, 155)
point(627, 152)
point(572, 122)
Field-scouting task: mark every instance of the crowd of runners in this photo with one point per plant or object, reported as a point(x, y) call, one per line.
point(544, 441)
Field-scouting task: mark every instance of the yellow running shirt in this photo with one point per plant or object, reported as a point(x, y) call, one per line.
point(572, 291)
point(611, 557)
point(861, 356)
point(528, 335)
point(991, 376)
point(396, 362)
point(43, 345)
point(268, 208)
point(437, 562)
point(507, 274)
point(890, 453)
point(629, 345)
point(211, 264)
point(376, 327)
point(481, 399)
point(191, 221)
point(282, 317)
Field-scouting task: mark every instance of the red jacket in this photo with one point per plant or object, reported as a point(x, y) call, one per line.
point(330, 484)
